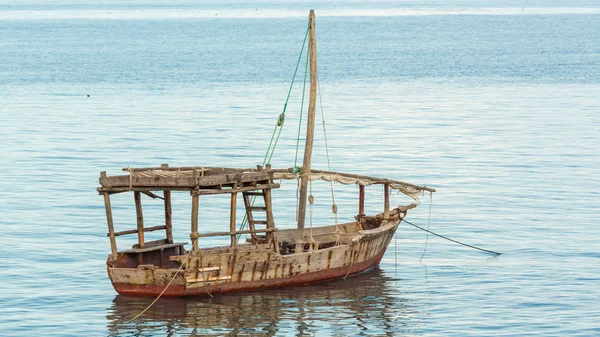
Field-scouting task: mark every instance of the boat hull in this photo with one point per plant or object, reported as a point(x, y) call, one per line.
point(255, 267)
point(301, 279)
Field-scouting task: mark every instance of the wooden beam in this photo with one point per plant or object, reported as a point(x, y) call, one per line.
point(188, 181)
point(111, 228)
point(386, 197)
point(232, 218)
point(361, 200)
point(168, 216)
point(168, 210)
point(182, 184)
point(248, 231)
point(269, 209)
point(386, 202)
point(140, 218)
point(115, 190)
point(202, 191)
point(134, 231)
point(239, 189)
point(194, 231)
point(152, 195)
point(208, 170)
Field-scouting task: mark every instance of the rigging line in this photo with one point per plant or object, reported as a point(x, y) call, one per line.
point(279, 124)
point(428, 222)
point(297, 64)
point(334, 206)
point(271, 142)
point(443, 237)
point(297, 197)
point(281, 119)
point(301, 112)
point(311, 201)
point(162, 292)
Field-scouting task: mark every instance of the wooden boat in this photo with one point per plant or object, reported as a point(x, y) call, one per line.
point(271, 257)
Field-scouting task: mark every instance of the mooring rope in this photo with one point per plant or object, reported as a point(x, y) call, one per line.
point(204, 275)
point(162, 292)
point(443, 237)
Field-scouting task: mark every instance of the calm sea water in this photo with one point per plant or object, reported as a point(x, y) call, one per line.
point(495, 105)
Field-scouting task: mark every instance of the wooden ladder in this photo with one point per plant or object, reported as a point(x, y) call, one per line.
point(267, 209)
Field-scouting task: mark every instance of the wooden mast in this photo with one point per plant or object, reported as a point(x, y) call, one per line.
point(310, 128)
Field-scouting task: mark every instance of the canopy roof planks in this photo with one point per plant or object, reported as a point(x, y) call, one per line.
point(218, 180)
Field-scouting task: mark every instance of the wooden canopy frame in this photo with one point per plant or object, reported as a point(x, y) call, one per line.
point(209, 181)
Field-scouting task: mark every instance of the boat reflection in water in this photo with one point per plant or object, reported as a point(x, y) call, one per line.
point(368, 302)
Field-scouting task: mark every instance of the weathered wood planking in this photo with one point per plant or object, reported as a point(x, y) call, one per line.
point(188, 182)
point(241, 268)
point(140, 218)
point(111, 227)
point(232, 218)
point(194, 229)
point(204, 190)
point(168, 216)
point(135, 231)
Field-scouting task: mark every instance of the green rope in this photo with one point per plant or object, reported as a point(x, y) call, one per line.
point(296, 168)
point(279, 124)
point(281, 118)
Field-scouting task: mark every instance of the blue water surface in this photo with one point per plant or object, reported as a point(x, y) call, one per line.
point(493, 104)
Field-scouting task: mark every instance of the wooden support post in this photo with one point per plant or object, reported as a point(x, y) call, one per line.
point(269, 207)
point(168, 216)
point(232, 218)
point(111, 228)
point(361, 200)
point(137, 196)
point(386, 197)
point(168, 210)
point(386, 202)
point(194, 232)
